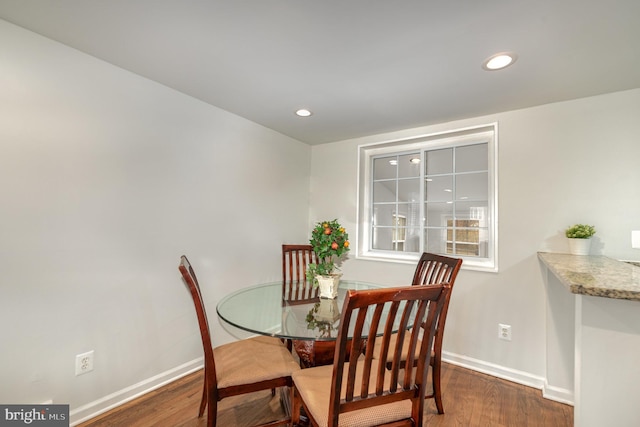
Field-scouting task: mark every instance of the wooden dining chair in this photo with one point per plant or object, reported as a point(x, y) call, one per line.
point(360, 391)
point(433, 269)
point(295, 259)
point(296, 289)
point(240, 367)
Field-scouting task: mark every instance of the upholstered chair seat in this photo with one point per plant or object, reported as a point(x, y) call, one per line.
point(252, 360)
point(314, 383)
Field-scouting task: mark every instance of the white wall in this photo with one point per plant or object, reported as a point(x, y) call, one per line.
point(106, 178)
point(559, 164)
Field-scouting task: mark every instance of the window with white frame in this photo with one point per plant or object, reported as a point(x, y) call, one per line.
point(434, 193)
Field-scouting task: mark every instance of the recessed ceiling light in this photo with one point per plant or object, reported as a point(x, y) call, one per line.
point(499, 61)
point(303, 112)
point(415, 160)
point(393, 162)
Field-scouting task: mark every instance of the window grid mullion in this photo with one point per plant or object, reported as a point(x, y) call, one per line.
point(454, 190)
point(423, 214)
point(395, 224)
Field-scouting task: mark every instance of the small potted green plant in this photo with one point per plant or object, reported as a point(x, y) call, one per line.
point(579, 236)
point(330, 243)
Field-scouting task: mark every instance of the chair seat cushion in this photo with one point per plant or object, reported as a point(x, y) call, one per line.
point(251, 360)
point(314, 385)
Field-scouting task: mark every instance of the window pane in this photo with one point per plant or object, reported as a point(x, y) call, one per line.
point(473, 210)
point(462, 237)
point(385, 168)
point(472, 158)
point(435, 240)
point(439, 189)
point(407, 168)
point(383, 215)
point(400, 232)
point(471, 232)
point(412, 240)
point(439, 161)
point(382, 238)
point(409, 190)
point(472, 186)
point(437, 214)
point(409, 211)
point(384, 191)
point(462, 248)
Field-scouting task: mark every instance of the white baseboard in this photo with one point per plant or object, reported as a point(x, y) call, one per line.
point(558, 394)
point(102, 405)
point(519, 377)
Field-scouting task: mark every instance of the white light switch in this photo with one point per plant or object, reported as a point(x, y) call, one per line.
point(635, 239)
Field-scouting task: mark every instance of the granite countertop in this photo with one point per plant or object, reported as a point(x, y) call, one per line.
point(597, 276)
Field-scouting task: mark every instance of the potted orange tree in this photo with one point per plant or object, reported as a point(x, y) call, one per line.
point(330, 242)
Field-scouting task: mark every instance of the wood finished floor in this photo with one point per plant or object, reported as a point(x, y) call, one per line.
point(470, 399)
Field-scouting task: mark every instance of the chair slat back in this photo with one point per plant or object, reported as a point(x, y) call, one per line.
point(191, 281)
point(436, 269)
point(366, 315)
point(433, 269)
point(295, 285)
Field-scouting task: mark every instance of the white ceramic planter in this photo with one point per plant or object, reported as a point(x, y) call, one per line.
point(328, 311)
point(579, 246)
point(328, 285)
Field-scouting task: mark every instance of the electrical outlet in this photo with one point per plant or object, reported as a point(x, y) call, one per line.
point(84, 363)
point(504, 332)
point(635, 239)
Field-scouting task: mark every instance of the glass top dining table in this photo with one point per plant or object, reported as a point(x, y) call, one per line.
point(261, 309)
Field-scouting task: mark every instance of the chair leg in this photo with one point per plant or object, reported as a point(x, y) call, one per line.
point(212, 414)
point(436, 385)
point(203, 402)
point(295, 406)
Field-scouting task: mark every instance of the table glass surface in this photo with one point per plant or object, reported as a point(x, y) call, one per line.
point(262, 310)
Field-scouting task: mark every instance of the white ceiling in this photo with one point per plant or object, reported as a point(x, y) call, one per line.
point(362, 66)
